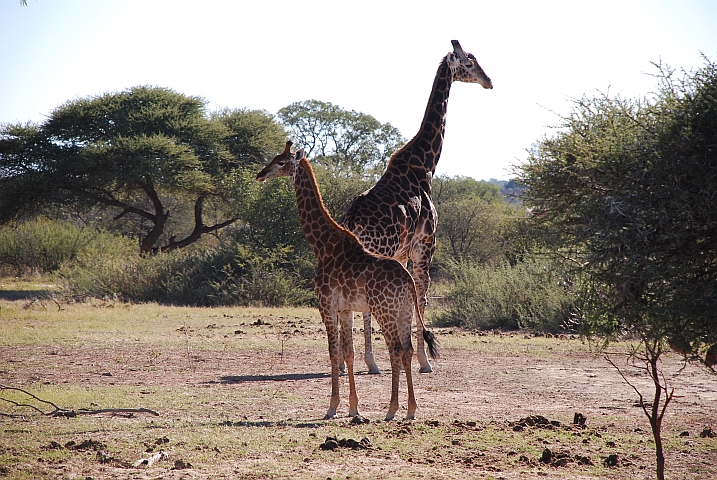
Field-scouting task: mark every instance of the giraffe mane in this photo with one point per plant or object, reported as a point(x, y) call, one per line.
point(441, 65)
point(315, 186)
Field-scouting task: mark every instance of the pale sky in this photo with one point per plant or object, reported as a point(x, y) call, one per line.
point(375, 57)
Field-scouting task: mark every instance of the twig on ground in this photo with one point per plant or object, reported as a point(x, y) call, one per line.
point(59, 411)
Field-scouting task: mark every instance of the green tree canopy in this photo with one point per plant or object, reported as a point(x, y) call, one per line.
point(627, 192)
point(475, 223)
point(352, 142)
point(136, 152)
point(254, 136)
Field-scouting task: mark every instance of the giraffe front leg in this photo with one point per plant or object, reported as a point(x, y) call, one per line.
point(347, 346)
point(368, 352)
point(332, 333)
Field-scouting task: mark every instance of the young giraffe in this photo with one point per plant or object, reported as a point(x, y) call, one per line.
point(348, 279)
point(396, 217)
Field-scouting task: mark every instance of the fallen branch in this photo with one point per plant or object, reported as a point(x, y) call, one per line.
point(59, 411)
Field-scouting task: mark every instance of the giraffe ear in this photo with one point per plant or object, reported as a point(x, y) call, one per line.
point(300, 153)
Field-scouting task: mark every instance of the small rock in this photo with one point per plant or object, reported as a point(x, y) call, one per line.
point(546, 456)
point(707, 433)
point(181, 465)
point(611, 461)
point(579, 419)
point(684, 434)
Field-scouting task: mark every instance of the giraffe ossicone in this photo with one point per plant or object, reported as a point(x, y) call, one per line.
point(349, 278)
point(396, 217)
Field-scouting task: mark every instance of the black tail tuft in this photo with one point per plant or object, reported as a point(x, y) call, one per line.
point(432, 343)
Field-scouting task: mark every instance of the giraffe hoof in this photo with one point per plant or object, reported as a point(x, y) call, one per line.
point(374, 371)
point(425, 369)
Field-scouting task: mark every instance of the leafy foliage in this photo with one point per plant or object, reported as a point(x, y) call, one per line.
point(254, 136)
point(134, 152)
point(626, 192)
point(227, 274)
point(350, 141)
point(475, 223)
point(530, 294)
point(44, 245)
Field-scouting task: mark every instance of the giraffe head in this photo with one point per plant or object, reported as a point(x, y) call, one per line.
point(464, 67)
point(283, 165)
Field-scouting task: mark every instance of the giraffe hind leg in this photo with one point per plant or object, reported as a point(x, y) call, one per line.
point(368, 352)
point(423, 281)
point(397, 353)
point(412, 405)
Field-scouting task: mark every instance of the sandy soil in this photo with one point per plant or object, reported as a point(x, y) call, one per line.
point(504, 384)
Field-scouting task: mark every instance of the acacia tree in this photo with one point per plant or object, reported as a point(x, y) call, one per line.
point(349, 141)
point(626, 193)
point(134, 152)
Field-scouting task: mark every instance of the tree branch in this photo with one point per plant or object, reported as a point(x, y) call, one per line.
point(59, 411)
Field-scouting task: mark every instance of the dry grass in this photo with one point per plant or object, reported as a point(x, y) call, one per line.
point(241, 393)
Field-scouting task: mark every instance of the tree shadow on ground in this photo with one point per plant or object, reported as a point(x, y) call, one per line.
point(12, 295)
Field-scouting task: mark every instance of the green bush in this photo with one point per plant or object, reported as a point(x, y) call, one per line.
point(264, 278)
point(43, 246)
point(228, 274)
point(527, 295)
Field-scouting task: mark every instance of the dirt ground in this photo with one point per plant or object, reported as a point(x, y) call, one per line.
point(492, 407)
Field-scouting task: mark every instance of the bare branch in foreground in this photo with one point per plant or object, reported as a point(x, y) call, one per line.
point(59, 411)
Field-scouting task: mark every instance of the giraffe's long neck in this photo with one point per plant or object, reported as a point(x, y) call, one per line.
point(426, 145)
point(320, 229)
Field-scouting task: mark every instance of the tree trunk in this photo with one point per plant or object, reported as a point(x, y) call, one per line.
point(199, 228)
point(657, 415)
point(159, 219)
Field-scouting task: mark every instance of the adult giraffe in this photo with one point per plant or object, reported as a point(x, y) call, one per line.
point(396, 217)
point(349, 278)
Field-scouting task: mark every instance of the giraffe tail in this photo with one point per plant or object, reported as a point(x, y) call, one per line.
point(431, 341)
